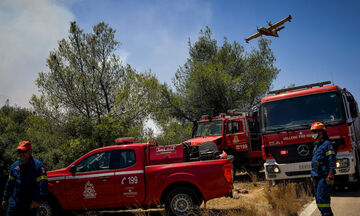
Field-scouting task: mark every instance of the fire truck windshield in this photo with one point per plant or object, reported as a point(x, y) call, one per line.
point(209, 128)
point(300, 112)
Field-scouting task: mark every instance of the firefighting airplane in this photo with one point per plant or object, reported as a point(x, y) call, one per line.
point(271, 30)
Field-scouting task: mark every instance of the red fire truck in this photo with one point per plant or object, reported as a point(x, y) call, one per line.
point(237, 133)
point(137, 175)
point(286, 116)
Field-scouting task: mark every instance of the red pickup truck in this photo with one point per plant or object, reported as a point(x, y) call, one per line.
point(138, 175)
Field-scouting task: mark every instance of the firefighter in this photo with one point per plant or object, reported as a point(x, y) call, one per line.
point(322, 167)
point(27, 183)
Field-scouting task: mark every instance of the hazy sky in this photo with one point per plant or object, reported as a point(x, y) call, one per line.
point(321, 43)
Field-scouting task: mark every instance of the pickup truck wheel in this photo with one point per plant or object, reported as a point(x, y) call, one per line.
point(47, 208)
point(182, 202)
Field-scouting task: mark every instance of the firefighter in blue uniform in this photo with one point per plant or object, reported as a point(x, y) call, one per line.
point(322, 167)
point(27, 184)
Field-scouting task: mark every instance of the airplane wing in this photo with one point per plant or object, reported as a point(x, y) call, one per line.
point(274, 26)
point(252, 37)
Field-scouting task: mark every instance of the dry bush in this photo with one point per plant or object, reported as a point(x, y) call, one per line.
point(288, 199)
point(305, 192)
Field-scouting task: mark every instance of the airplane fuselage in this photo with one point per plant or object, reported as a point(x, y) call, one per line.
point(267, 32)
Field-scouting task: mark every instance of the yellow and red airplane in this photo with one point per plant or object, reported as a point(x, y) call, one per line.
point(271, 30)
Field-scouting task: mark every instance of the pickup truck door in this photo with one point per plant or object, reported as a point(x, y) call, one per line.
point(93, 184)
point(129, 178)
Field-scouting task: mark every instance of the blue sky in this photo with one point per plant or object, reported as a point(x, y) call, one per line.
point(321, 43)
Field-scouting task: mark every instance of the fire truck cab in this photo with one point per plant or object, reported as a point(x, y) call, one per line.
point(286, 116)
point(237, 133)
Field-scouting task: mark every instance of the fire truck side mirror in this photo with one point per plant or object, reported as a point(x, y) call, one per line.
point(352, 105)
point(353, 110)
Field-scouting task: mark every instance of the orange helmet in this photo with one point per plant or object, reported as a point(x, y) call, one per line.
point(318, 126)
point(24, 145)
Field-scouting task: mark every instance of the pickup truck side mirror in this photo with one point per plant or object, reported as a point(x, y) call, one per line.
point(73, 169)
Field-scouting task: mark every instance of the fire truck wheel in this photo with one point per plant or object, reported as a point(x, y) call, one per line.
point(182, 201)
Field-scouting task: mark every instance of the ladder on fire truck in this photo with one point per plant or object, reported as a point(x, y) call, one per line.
point(319, 84)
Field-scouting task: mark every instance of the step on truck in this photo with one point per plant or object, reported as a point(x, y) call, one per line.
point(286, 116)
point(138, 175)
point(237, 133)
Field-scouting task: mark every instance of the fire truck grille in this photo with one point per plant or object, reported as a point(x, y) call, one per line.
point(297, 173)
point(295, 153)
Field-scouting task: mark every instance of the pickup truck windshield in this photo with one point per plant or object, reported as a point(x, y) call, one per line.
point(209, 128)
point(299, 113)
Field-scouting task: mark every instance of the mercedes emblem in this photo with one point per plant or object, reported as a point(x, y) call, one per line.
point(303, 150)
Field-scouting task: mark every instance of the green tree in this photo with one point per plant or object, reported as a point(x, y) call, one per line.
point(12, 130)
point(172, 132)
point(50, 142)
point(217, 78)
point(88, 95)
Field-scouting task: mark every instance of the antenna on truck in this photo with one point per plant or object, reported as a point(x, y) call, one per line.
point(319, 84)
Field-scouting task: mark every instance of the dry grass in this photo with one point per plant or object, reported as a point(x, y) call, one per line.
point(260, 200)
point(251, 203)
point(263, 200)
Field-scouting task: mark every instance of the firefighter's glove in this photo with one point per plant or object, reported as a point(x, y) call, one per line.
point(4, 205)
point(330, 179)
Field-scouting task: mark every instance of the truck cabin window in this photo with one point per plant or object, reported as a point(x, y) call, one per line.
point(300, 112)
point(127, 158)
point(95, 162)
point(235, 127)
point(209, 128)
point(115, 159)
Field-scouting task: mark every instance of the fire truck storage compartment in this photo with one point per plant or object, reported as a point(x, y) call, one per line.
point(167, 154)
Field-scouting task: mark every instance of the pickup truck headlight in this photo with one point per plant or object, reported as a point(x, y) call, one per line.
point(342, 163)
point(272, 169)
